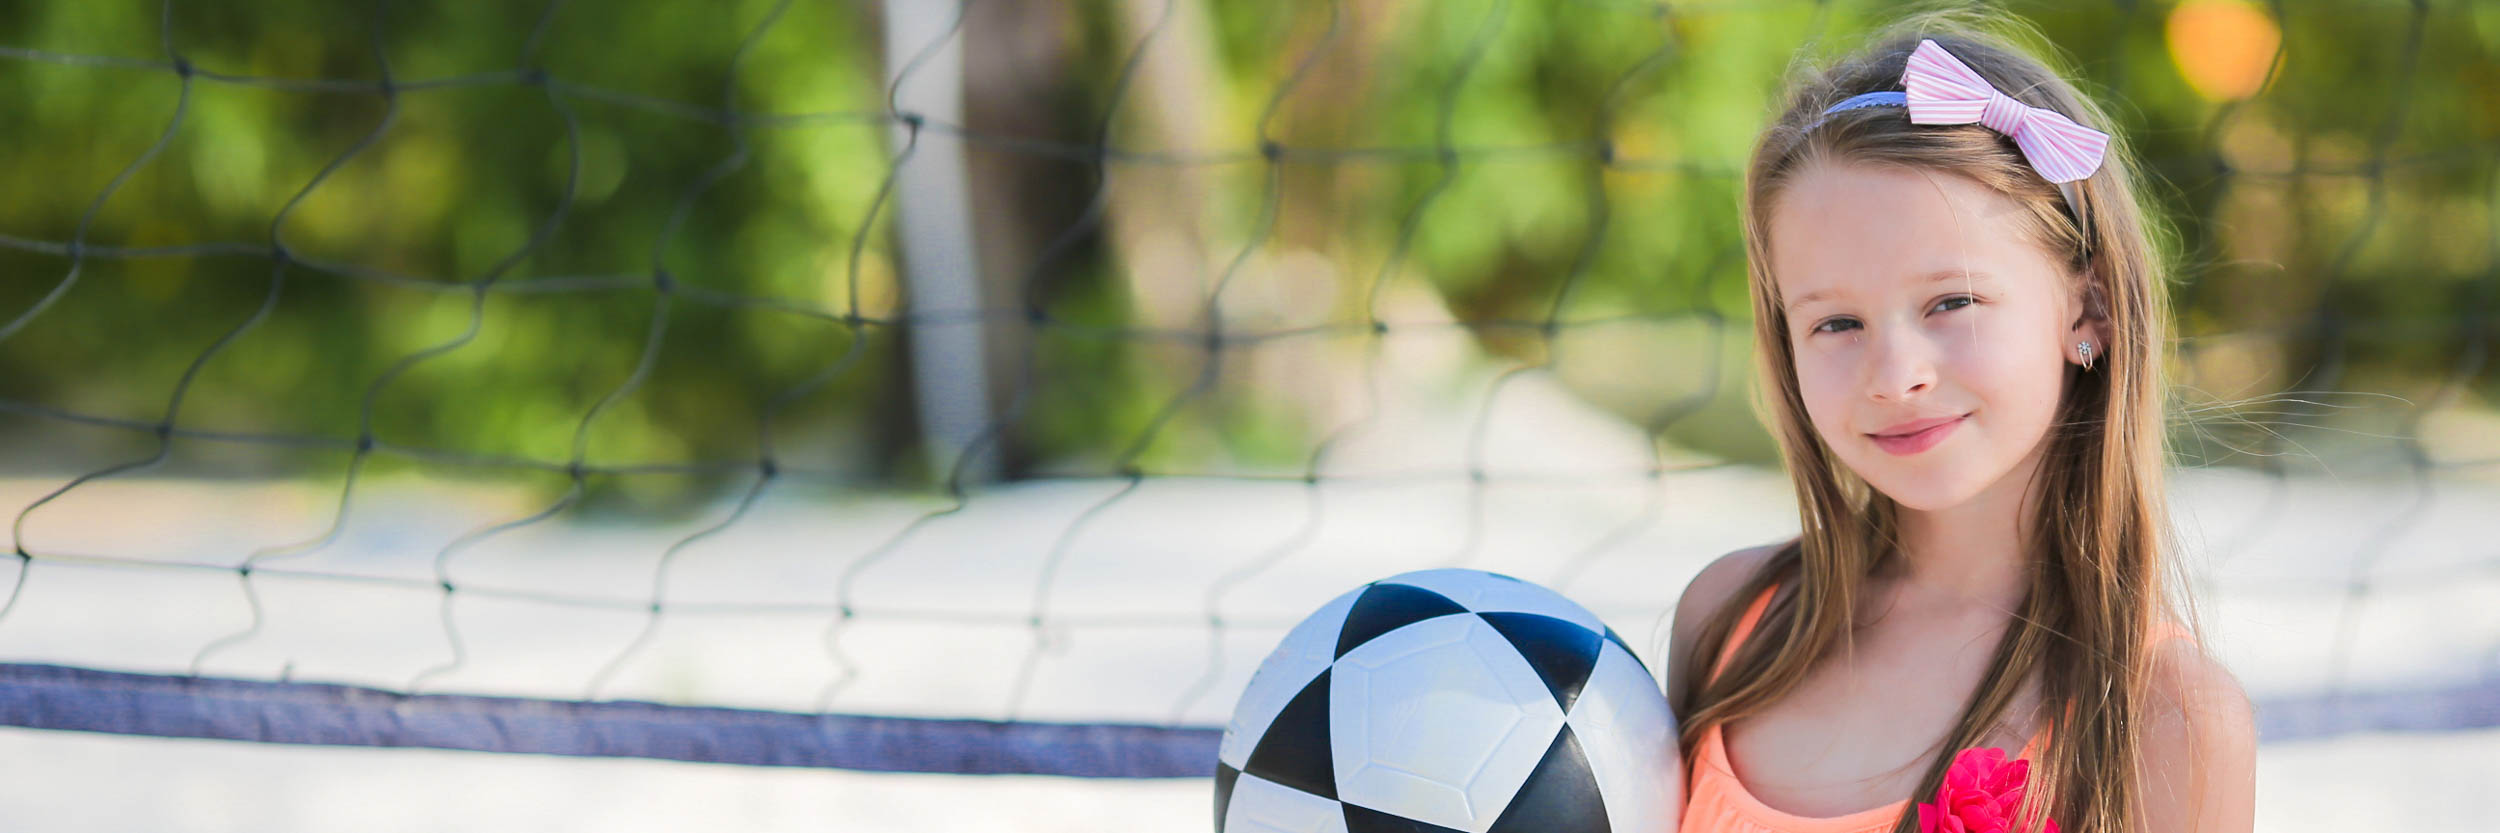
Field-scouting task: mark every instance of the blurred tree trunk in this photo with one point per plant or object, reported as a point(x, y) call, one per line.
point(948, 363)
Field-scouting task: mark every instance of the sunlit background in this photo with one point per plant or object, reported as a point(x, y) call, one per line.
point(1040, 361)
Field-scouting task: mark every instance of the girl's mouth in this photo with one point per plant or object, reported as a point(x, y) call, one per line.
point(1917, 441)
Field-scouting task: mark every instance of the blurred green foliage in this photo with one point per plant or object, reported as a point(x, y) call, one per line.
point(2359, 181)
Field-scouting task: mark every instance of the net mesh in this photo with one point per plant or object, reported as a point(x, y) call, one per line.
point(569, 390)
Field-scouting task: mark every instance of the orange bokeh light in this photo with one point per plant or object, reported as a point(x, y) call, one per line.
point(2223, 48)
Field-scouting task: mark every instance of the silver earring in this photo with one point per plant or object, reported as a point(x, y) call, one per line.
point(2083, 350)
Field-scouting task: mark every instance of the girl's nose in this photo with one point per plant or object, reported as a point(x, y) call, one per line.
point(1903, 365)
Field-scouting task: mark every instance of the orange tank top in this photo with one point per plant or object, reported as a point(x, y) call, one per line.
point(1717, 802)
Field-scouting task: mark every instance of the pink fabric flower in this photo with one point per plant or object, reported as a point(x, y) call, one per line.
point(1980, 794)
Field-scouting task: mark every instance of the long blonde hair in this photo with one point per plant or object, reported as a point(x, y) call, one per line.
point(2099, 541)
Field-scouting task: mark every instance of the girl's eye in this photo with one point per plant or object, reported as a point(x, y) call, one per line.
point(1836, 325)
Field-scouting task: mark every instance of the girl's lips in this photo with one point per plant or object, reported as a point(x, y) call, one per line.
point(1920, 441)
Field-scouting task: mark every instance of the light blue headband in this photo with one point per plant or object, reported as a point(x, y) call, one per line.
point(1879, 98)
point(1896, 98)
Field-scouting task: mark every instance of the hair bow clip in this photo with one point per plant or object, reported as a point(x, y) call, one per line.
point(1943, 90)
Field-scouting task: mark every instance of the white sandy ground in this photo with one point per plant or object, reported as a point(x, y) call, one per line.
point(2278, 558)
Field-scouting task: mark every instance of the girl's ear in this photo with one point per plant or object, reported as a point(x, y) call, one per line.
point(2091, 322)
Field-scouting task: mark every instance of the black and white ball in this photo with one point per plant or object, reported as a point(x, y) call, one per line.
point(1450, 699)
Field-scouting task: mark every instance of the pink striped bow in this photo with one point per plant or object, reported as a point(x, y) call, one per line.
point(1943, 90)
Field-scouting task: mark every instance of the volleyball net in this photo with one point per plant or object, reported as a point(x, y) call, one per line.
point(985, 388)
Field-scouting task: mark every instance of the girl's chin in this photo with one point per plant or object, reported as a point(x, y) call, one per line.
point(1928, 494)
point(1935, 505)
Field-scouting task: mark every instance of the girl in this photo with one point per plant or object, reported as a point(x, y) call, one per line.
point(1959, 313)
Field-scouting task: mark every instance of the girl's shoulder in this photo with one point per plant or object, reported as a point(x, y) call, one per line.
point(2199, 732)
point(1710, 590)
point(2184, 678)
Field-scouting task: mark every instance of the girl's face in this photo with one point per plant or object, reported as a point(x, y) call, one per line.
point(1914, 302)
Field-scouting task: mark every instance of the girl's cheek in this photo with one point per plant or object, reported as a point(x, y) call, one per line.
point(1826, 371)
point(1997, 366)
point(1820, 382)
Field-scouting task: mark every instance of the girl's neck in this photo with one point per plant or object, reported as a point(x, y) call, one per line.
point(1972, 554)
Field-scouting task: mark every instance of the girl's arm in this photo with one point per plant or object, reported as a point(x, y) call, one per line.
point(2199, 746)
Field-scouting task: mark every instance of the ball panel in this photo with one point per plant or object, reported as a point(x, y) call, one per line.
point(1303, 654)
point(1384, 607)
point(1561, 652)
point(1612, 636)
point(1294, 752)
point(1438, 721)
point(1485, 592)
point(1263, 806)
point(1628, 735)
point(1360, 819)
point(1224, 778)
point(1561, 796)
